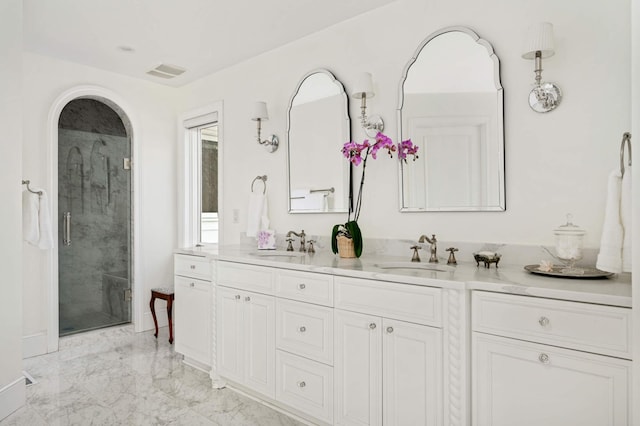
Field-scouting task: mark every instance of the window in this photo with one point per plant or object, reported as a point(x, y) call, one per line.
point(201, 219)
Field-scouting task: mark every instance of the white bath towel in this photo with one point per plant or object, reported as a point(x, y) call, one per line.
point(36, 222)
point(611, 242)
point(625, 219)
point(257, 214)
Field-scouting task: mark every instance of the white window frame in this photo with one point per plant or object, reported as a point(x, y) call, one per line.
point(189, 177)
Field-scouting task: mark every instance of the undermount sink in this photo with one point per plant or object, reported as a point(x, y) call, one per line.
point(277, 253)
point(418, 266)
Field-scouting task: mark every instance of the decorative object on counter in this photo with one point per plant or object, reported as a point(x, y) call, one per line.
point(487, 258)
point(259, 114)
point(569, 240)
point(267, 239)
point(359, 154)
point(452, 257)
point(545, 266)
point(346, 246)
point(559, 271)
point(258, 211)
point(433, 247)
point(363, 90)
point(615, 243)
point(544, 96)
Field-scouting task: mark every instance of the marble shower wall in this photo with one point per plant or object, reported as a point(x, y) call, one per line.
point(93, 185)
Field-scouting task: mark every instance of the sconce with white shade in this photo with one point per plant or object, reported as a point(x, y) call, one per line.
point(259, 114)
point(362, 90)
point(545, 96)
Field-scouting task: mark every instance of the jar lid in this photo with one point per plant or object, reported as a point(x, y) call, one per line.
point(569, 228)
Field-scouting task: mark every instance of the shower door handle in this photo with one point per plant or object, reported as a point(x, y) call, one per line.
point(66, 223)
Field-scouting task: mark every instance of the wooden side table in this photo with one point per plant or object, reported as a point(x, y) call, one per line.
point(164, 294)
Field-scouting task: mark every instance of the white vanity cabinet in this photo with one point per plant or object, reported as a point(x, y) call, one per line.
point(192, 307)
point(549, 362)
point(245, 327)
point(387, 370)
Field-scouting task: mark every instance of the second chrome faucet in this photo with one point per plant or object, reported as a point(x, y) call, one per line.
point(433, 247)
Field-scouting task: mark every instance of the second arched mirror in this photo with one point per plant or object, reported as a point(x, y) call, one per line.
point(451, 106)
point(318, 126)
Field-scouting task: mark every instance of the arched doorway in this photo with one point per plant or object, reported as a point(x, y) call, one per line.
point(94, 216)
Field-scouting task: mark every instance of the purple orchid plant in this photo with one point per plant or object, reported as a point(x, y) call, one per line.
point(359, 154)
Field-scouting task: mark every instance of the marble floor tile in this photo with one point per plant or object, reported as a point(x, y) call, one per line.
point(114, 376)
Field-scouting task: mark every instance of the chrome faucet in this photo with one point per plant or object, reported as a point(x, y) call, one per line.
point(302, 236)
point(433, 248)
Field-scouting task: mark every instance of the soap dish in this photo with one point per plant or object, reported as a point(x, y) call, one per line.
point(487, 258)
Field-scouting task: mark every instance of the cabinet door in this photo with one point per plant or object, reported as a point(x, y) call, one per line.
point(357, 369)
point(192, 319)
point(229, 333)
point(529, 384)
point(412, 374)
point(260, 343)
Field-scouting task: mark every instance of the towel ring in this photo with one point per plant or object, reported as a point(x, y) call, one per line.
point(263, 178)
point(27, 182)
point(626, 137)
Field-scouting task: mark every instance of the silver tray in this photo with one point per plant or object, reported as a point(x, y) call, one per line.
point(556, 271)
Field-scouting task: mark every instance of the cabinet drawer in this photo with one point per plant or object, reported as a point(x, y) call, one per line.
point(575, 325)
point(305, 329)
point(422, 305)
point(247, 277)
point(192, 266)
point(306, 287)
point(305, 385)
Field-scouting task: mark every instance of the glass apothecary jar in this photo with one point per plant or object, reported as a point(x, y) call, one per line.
point(569, 242)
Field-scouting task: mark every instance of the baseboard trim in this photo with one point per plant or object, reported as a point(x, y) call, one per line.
point(34, 345)
point(12, 397)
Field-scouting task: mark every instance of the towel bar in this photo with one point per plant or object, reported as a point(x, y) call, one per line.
point(626, 137)
point(263, 178)
point(27, 182)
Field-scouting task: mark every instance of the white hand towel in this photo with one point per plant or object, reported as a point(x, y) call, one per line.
point(625, 219)
point(610, 256)
point(30, 228)
point(257, 215)
point(36, 223)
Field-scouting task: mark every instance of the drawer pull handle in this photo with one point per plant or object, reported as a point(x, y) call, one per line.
point(543, 321)
point(389, 329)
point(247, 299)
point(192, 285)
point(302, 286)
point(237, 297)
point(372, 326)
point(302, 329)
point(301, 384)
point(192, 266)
point(543, 358)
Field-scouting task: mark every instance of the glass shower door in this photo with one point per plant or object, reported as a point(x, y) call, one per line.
point(94, 205)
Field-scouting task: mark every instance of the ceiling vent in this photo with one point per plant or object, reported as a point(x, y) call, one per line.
point(166, 71)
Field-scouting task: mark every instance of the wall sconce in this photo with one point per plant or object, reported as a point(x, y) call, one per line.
point(545, 96)
point(363, 90)
point(259, 114)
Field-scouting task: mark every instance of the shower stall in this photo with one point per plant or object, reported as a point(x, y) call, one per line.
point(94, 206)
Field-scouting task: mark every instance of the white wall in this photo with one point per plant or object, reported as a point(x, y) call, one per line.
point(12, 388)
point(556, 163)
point(153, 117)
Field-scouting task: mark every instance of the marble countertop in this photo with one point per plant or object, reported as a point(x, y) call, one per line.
point(615, 290)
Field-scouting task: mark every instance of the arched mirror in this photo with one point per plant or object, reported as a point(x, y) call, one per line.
point(318, 126)
point(451, 106)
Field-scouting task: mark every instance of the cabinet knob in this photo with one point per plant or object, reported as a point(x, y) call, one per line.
point(389, 329)
point(543, 358)
point(301, 384)
point(192, 284)
point(302, 286)
point(372, 326)
point(302, 329)
point(247, 299)
point(192, 266)
point(543, 321)
point(237, 297)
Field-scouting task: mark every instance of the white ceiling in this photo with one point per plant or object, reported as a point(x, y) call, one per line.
point(202, 36)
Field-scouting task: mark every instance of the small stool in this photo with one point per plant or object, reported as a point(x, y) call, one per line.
point(164, 294)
